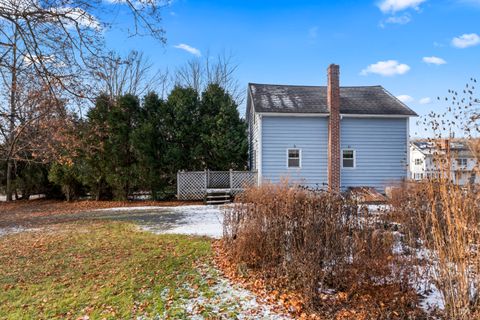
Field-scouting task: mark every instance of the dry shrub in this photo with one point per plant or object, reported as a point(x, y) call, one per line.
point(445, 219)
point(310, 242)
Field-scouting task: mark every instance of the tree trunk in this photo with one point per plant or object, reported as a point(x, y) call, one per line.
point(9, 190)
point(11, 135)
point(97, 194)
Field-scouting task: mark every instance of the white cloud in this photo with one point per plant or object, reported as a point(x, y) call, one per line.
point(466, 40)
point(189, 49)
point(392, 6)
point(399, 20)
point(434, 60)
point(386, 68)
point(425, 100)
point(77, 16)
point(405, 98)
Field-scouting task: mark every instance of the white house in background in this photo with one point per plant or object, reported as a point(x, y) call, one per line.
point(332, 135)
point(425, 157)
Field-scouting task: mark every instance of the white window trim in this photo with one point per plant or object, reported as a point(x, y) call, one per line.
point(299, 160)
point(354, 159)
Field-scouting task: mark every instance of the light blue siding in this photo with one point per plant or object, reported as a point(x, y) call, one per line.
point(310, 134)
point(380, 146)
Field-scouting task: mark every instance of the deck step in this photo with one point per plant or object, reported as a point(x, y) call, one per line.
point(218, 201)
point(223, 196)
point(218, 197)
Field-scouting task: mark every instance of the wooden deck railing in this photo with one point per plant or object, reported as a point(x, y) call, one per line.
point(194, 185)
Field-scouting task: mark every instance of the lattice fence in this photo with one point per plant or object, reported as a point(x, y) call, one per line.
point(193, 185)
point(218, 179)
point(241, 180)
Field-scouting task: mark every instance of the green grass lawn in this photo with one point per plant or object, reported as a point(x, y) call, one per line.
point(103, 270)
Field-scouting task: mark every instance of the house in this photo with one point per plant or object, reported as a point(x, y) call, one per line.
point(330, 135)
point(427, 157)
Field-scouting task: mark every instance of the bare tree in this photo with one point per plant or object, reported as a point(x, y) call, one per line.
point(200, 72)
point(56, 43)
point(133, 74)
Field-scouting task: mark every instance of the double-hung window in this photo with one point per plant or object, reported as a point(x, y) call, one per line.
point(462, 162)
point(348, 158)
point(294, 158)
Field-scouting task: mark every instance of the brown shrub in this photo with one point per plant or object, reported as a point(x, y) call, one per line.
point(309, 241)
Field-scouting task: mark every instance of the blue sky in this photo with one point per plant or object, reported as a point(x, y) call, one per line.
point(417, 49)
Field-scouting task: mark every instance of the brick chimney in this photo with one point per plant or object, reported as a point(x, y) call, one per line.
point(333, 103)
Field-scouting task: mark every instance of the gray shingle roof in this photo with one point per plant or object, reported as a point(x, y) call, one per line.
point(373, 100)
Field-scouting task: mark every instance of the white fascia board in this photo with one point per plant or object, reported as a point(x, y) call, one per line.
point(385, 116)
point(288, 114)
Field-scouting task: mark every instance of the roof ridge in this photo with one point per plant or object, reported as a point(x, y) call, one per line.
point(310, 86)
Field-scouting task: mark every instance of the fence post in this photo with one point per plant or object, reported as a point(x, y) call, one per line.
point(231, 181)
point(178, 185)
point(206, 180)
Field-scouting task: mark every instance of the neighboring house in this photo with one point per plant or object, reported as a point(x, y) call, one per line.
point(328, 136)
point(427, 157)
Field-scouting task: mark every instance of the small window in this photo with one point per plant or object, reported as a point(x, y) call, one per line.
point(348, 159)
point(293, 158)
point(418, 162)
point(462, 162)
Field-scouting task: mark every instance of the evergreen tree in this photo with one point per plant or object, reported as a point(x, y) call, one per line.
point(183, 119)
point(224, 134)
point(95, 135)
point(67, 176)
point(150, 140)
point(122, 121)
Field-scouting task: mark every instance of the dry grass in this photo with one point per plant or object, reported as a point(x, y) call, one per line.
point(445, 219)
point(315, 242)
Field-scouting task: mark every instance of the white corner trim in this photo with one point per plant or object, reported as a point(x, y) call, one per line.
point(408, 149)
point(260, 149)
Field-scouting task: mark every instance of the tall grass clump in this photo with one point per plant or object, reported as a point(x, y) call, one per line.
point(441, 218)
point(308, 241)
point(444, 219)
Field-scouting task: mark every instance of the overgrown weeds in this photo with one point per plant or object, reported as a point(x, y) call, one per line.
point(444, 219)
point(313, 242)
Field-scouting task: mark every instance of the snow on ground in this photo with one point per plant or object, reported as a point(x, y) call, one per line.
point(432, 299)
point(11, 230)
point(191, 220)
point(32, 197)
point(221, 300)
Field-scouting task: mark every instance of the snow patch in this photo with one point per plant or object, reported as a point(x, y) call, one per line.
point(11, 230)
point(196, 220)
point(221, 300)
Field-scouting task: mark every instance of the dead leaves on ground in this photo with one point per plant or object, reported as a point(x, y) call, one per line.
point(98, 269)
point(362, 303)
